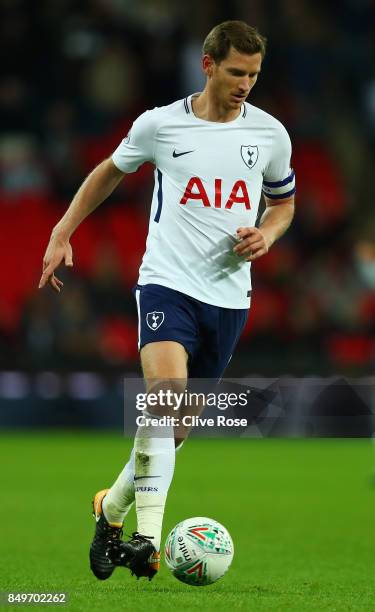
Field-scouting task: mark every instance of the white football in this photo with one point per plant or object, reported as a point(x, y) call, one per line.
point(198, 551)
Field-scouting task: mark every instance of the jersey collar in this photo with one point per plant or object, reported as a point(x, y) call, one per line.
point(189, 111)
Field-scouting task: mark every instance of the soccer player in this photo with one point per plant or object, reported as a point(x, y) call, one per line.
point(213, 154)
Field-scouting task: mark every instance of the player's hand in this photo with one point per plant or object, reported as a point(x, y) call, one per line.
point(58, 250)
point(253, 243)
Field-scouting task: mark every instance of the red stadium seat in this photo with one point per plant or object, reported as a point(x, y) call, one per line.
point(351, 349)
point(127, 230)
point(118, 339)
point(29, 220)
point(319, 182)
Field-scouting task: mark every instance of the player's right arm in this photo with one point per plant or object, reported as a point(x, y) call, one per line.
point(133, 151)
point(93, 191)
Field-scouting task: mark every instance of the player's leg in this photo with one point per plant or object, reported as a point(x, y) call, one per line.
point(121, 496)
point(164, 367)
point(166, 326)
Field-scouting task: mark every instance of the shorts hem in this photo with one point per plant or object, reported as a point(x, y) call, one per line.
point(167, 339)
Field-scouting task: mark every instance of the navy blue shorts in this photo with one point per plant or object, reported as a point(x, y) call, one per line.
point(208, 333)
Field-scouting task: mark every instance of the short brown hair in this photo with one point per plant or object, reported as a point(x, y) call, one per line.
point(237, 34)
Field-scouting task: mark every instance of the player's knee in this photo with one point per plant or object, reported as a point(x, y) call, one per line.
point(165, 397)
point(173, 385)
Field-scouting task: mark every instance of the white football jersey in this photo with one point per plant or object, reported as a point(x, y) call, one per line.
point(209, 178)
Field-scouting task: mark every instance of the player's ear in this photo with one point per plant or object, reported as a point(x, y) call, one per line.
point(207, 65)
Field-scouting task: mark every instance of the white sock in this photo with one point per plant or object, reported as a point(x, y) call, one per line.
point(120, 497)
point(154, 467)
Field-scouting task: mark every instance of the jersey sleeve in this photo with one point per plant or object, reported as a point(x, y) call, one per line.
point(279, 179)
point(138, 146)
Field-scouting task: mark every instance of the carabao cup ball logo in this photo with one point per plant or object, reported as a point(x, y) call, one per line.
point(198, 551)
point(154, 320)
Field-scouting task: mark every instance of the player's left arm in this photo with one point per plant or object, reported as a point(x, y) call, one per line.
point(278, 190)
point(254, 241)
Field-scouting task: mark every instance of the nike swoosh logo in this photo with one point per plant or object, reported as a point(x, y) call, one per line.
point(139, 477)
point(183, 153)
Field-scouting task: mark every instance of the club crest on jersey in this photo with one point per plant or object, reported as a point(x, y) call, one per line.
point(249, 154)
point(154, 320)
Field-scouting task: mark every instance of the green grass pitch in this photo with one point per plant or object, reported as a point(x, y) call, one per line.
point(301, 514)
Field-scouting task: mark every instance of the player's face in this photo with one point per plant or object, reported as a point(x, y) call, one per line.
point(232, 80)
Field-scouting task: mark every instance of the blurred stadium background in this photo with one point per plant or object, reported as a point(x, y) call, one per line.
point(75, 74)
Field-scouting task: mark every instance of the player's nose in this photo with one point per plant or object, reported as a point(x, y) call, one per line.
point(244, 86)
